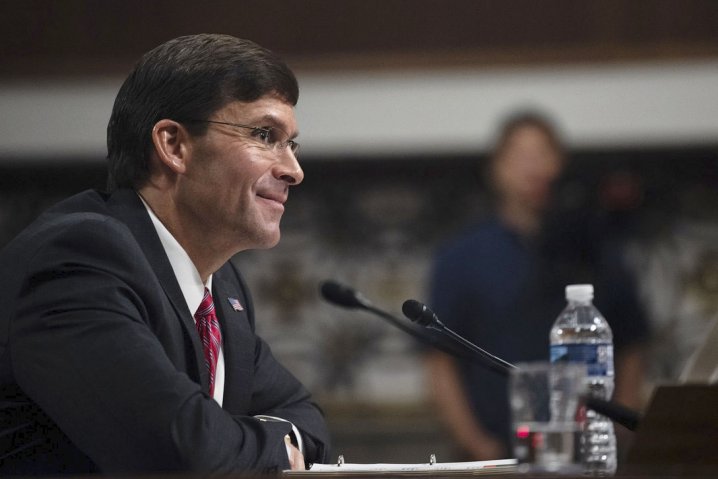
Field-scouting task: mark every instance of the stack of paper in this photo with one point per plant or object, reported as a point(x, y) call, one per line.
point(500, 466)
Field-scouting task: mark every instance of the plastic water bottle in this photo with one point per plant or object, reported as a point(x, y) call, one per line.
point(581, 334)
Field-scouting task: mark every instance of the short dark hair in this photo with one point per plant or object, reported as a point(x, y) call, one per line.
point(189, 77)
point(528, 118)
point(508, 127)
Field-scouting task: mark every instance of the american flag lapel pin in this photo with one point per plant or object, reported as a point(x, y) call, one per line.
point(236, 305)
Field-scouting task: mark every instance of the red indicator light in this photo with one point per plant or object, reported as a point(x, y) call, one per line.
point(522, 432)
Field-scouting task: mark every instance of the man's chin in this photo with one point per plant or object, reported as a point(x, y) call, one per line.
point(268, 240)
point(260, 234)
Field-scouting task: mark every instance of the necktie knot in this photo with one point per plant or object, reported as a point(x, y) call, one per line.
point(207, 304)
point(210, 334)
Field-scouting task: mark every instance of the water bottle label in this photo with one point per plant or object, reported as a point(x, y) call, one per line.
point(598, 358)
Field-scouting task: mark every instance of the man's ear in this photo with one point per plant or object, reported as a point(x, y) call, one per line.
point(171, 144)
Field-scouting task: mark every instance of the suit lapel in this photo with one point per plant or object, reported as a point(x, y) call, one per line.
point(130, 210)
point(237, 346)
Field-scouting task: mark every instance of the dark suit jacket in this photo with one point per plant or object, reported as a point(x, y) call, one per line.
point(101, 366)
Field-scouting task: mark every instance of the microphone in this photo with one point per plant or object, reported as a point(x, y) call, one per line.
point(342, 295)
point(423, 315)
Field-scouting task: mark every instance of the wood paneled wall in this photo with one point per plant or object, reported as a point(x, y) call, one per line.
point(81, 37)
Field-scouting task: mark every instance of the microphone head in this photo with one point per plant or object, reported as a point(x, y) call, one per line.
point(340, 295)
point(418, 312)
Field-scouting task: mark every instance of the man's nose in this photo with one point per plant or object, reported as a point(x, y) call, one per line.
point(288, 169)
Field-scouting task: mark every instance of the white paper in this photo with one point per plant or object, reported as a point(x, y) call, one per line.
point(438, 466)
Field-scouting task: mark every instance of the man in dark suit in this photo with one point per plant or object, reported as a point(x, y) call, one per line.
point(127, 338)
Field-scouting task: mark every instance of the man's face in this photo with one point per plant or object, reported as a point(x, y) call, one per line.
point(235, 187)
point(527, 168)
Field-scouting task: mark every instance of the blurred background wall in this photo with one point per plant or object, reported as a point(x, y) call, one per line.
point(399, 101)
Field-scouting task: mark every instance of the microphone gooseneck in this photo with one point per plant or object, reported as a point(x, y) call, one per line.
point(624, 416)
point(423, 315)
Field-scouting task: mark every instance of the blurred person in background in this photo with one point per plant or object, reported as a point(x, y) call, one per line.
point(501, 285)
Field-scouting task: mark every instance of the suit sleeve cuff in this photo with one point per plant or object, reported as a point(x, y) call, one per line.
point(297, 436)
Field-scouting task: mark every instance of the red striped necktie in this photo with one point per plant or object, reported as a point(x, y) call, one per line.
point(209, 333)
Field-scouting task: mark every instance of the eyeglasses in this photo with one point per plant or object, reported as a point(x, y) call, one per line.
point(272, 138)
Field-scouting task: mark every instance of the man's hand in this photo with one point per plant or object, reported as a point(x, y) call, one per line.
point(296, 459)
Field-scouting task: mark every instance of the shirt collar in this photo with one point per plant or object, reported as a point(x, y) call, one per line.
point(185, 271)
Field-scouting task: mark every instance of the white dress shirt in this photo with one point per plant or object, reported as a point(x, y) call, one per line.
point(191, 285)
